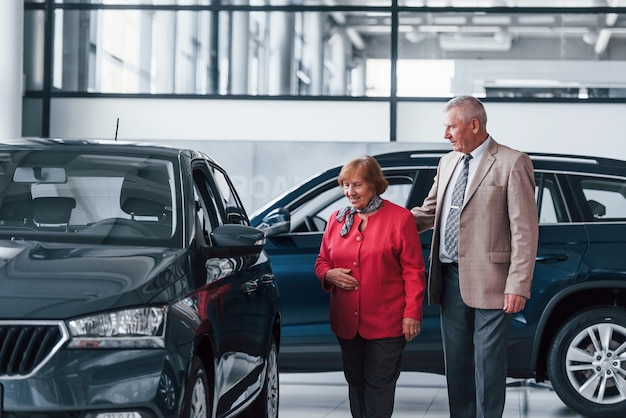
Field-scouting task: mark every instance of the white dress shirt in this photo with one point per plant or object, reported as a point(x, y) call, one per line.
point(473, 163)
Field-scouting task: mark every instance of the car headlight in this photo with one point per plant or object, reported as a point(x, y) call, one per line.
point(129, 328)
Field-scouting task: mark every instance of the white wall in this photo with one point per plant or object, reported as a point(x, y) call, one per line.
point(235, 120)
point(577, 128)
point(268, 146)
point(566, 128)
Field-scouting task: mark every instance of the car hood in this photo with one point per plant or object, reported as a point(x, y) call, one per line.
point(60, 281)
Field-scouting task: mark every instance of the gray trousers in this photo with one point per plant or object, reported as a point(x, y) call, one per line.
point(475, 351)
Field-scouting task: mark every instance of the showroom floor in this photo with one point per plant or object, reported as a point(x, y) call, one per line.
point(418, 395)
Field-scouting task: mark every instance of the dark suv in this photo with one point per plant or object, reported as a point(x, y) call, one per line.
point(131, 285)
point(573, 329)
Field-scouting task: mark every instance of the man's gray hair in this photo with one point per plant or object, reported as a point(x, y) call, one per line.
point(470, 108)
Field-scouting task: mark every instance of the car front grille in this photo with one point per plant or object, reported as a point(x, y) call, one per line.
point(26, 346)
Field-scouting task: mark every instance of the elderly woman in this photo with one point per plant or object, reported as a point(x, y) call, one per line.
point(371, 262)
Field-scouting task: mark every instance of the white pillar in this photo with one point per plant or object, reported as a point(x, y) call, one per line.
point(281, 29)
point(239, 50)
point(313, 54)
point(164, 55)
point(11, 47)
point(340, 54)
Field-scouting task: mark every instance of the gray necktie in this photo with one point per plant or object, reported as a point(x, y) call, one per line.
point(451, 237)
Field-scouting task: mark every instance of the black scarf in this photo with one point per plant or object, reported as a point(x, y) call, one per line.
point(349, 211)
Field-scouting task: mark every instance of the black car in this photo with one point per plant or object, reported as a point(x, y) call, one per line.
point(131, 285)
point(573, 329)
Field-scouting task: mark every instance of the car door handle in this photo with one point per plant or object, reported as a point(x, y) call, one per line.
point(249, 287)
point(551, 258)
point(268, 278)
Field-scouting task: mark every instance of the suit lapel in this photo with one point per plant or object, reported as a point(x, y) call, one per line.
point(484, 165)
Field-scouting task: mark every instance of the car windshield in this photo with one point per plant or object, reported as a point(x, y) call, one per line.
point(74, 196)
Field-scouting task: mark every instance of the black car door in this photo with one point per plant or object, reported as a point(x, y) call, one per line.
point(222, 296)
point(601, 206)
point(257, 287)
point(562, 244)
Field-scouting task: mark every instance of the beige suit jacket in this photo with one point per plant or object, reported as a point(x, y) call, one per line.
point(498, 228)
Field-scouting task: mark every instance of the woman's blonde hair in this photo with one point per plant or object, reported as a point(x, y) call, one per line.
point(368, 169)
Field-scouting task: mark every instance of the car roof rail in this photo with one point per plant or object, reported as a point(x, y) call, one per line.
point(411, 154)
point(577, 159)
point(533, 155)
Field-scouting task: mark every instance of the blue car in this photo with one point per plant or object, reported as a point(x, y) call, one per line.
point(572, 331)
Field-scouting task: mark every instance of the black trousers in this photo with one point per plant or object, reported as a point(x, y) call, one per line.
point(475, 346)
point(372, 368)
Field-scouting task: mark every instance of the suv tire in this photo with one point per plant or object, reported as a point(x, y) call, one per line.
point(585, 362)
point(266, 404)
point(197, 400)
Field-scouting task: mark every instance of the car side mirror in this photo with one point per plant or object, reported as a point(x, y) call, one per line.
point(278, 221)
point(236, 240)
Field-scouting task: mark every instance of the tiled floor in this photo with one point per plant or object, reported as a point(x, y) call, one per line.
point(418, 395)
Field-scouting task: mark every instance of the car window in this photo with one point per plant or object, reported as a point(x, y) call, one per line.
point(397, 193)
point(312, 215)
point(99, 197)
point(89, 196)
point(547, 214)
point(235, 212)
point(204, 222)
point(605, 198)
point(208, 210)
point(549, 203)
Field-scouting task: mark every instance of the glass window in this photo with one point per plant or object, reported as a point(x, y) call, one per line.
point(227, 3)
point(547, 213)
point(411, 3)
point(506, 3)
point(228, 53)
point(312, 213)
point(605, 198)
point(85, 196)
point(206, 220)
point(234, 209)
point(34, 49)
point(549, 202)
point(132, 51)
point(397, 192)
point(511, 55)
point(211, 213)
point(522, 50)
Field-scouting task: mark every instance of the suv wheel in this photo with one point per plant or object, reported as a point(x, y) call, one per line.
point(266, 404)
point(197, 399)
point(586, 363)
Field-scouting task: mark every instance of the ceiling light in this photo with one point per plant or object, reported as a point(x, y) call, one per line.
point(355, 38)
point(603, 41)
point(611, 19)
point(492, 20)
point(590, 38)
point(415, 37)
point(450, 20)
point(437, 28)
point(536, 20)
point(454, 42)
